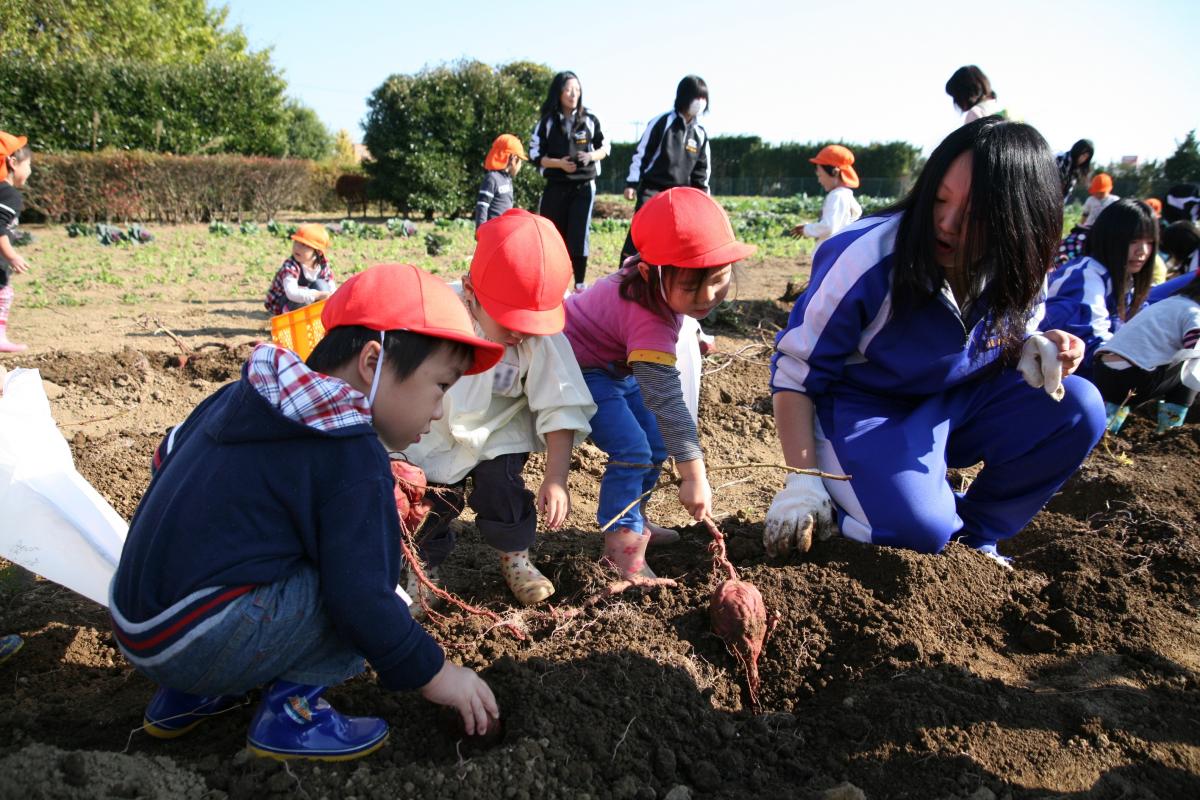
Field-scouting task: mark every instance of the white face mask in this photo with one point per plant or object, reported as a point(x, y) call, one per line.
point(378, 372)
point(697, 107)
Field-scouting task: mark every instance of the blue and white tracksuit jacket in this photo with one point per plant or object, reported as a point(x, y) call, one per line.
point(900, 396)
point(1081, 300)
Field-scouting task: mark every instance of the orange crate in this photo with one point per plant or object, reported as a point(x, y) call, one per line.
point(299, 330)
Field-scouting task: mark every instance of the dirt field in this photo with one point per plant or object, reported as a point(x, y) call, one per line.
point(906, 676)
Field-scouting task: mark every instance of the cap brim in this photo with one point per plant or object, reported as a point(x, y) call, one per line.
point(487, 353)
point(528, 321)
point(849, 177)
point(309, 243)
point(725, 254)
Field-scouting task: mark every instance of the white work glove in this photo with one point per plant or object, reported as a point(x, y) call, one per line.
point(1041, 367)
point(798, 512)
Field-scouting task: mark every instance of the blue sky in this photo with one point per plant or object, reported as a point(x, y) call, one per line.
point(1123, 74)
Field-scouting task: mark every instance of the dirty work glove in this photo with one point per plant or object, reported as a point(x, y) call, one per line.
point(1040, 367)
point(410, 494)
point(802, 509)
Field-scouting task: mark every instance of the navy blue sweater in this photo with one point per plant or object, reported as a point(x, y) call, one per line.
point(245, 497)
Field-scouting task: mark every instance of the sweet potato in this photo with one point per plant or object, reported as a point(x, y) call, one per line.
point(411, 504)
point(739, 617)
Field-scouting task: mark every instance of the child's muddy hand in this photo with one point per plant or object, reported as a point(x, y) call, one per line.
point(696, 496)
point(553, 503)
point(466, 692)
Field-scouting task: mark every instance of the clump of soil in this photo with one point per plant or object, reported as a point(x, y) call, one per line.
point(909, 676)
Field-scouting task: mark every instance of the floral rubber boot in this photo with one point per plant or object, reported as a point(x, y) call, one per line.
point(626, 550)
point(527, 584)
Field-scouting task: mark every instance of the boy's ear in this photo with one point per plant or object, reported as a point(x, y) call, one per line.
point(364, 365)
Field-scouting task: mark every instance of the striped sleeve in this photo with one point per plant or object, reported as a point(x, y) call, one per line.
point(702, 172)
point(662, 393)
point(1078, 303)
point(846, 303)
point(651, 139)
point(487, 191)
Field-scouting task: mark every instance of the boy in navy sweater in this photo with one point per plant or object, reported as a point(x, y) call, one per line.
point(266, 550)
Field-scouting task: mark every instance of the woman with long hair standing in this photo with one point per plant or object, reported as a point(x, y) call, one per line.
point(567, 147)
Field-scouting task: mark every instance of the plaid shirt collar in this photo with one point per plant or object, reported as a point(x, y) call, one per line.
point(310, 398)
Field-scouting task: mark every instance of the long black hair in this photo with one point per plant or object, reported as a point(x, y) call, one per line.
point(1014, 220)
point(692, 87)
point(1079, 148)
point(553, 103)
point(1180, 240)
point(1118, 226)
point(968, 86)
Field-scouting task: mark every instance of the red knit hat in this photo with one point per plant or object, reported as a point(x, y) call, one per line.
point(520, 271)
point(401, 297)
point(684, 227)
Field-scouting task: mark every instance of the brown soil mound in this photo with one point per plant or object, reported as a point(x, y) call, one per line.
point(906, 675)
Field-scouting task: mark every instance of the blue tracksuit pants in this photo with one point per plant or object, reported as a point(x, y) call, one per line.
point(897, 450)
point(628, 432)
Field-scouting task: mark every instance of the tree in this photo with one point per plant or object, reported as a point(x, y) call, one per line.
point(146, 31)
point(307, 136)
point(428, 133)
point(1184, 165)
point(343, 149)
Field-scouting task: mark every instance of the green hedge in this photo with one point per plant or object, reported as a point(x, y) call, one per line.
point(116, 186)
point(223, 104)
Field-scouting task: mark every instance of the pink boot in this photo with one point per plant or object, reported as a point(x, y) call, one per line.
point(659, 536)
point(626, 550)
point(5, 345)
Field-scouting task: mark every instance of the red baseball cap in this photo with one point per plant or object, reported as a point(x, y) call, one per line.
point(401, 297)
point(520, 271)
point(684, 227)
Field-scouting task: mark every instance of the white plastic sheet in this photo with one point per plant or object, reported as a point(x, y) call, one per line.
point(690, 365)
point(52, 521)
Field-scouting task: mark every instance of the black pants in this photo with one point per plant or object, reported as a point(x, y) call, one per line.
point(568, 204)
point(643, 194)
point(504, 509)
point(1163, 383)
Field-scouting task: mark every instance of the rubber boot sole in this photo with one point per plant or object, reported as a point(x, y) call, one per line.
point(276, 755)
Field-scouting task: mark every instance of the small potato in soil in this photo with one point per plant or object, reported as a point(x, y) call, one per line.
point(493, 736)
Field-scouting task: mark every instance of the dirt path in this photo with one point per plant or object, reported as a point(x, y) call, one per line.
point(905, 675)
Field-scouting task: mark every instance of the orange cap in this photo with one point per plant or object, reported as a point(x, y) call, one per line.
point(835, 155)
point(520, 271)
point(505, 145)
point(312, 234)
point(401, 297)
point(1100, 183)
point(1155, 205)
point(9, 144)
point(684, 227)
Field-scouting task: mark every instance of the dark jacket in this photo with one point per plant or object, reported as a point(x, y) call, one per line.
point(552, 139)
point(671, 153)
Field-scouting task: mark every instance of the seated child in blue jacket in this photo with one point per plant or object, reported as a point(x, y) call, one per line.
point(266, 550)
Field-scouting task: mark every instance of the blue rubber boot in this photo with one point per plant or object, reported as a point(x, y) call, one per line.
point(294, 721)
point(1115, 416)
point(1170, 415)
point(9, 645)
point(172, 713)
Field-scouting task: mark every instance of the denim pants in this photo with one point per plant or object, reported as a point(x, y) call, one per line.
point(277, 631)
point(627, 431)
point(504, 509)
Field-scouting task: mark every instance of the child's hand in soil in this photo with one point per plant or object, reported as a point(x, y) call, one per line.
point(553, 503)
point(466, 692)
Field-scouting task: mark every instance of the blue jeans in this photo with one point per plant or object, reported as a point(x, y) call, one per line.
point(278, 631)
point(626, 430)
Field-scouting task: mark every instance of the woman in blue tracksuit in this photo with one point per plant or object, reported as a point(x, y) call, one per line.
point(1091, 297)
point(898, 360)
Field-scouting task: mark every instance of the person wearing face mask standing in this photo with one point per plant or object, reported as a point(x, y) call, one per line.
point(567, 147)
point(673, 151)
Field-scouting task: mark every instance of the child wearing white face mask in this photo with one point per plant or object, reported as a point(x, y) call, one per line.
point(673, 151)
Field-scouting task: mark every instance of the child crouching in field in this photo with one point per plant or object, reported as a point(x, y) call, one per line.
point(305, 276)
point(534, 399)
point(624, 330)
point(266, 551)
point(1154, 356)
point(16, 162)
